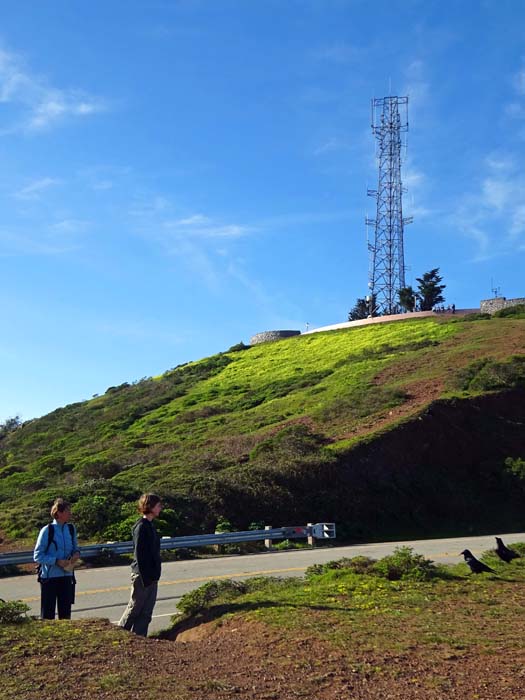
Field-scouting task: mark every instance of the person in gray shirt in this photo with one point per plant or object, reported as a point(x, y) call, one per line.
point(145, 567)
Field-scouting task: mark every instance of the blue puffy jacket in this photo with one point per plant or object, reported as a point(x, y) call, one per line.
point(62, 547)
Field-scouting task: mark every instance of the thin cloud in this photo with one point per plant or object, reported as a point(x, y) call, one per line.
point(102, 185)
point(104, 177)
point(415, 183)
point(412, 178)
point(69, 226)
point(340, 52)
point(518, 222)
point(494, 217)
point(35, 189)
point(499, 162)
point(332, 145)
point(265, 302)
point(196, 220)
point(198, 260)
point(15, 242)
point(515, 109)
point(518, 82)
point(303, 219)
point(193, 239)
point(199, 226)
point(417, 87)
point(138, 330)
point(151, 209)
point(39, 105)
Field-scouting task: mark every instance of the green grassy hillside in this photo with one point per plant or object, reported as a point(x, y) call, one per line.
point(317, 426)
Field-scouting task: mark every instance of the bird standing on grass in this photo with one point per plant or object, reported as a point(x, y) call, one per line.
point(504, 552)
point(476, 566)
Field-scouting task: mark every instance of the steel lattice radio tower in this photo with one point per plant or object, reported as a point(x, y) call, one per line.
point(386, 274)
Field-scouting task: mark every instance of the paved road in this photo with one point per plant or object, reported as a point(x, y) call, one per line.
point(104, 592)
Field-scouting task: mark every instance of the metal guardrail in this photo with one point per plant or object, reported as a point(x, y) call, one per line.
point(317, 531)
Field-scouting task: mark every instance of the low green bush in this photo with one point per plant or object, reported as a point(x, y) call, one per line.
point(290, 544)
point(489, 375)
point(197, 601)
point(13, 612)
point(517, 311)
point(473, 317)
point(516, 467)
point(405, 564)
point(238, 347)
point(358, 565)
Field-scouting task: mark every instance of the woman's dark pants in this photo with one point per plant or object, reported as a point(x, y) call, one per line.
point(56, 592)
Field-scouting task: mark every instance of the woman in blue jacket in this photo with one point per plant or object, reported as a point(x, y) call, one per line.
point(56, 552)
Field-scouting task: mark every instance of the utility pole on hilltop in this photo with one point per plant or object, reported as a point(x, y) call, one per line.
point(386, 274)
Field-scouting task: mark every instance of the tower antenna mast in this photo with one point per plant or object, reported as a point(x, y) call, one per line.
point(386, 274)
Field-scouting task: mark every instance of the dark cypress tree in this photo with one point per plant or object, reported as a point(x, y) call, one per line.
point(430, 290)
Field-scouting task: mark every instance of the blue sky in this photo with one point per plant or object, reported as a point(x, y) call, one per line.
point(178, 175)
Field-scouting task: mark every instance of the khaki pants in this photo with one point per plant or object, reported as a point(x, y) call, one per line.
point(137, 615)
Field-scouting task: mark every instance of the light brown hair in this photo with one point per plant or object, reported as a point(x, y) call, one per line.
point(59, 506)
point(147, 502)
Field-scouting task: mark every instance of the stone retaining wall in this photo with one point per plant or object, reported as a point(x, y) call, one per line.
point(490, 306)
point(268, 336)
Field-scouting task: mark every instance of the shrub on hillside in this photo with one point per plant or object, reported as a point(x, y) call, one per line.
point(51, 464)
point(92, 513)
point(405, 564)
point(516, 467)
point(358, 565)
point(488, 374)
point(13, 612)
point(379, 352)
point(474, 317)
point(238, 347)
point(517, 311)
point(197, 601)
point(278, 388)
point(222, 592)
point(293, 443)
point(9, 425)
point(167, 524)
point(96, 468)
point(363, 401)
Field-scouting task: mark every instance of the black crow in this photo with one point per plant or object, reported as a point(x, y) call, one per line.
point(476, 566)
point(504, 552)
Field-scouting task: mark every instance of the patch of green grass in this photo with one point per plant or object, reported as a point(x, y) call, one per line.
point(354, 603)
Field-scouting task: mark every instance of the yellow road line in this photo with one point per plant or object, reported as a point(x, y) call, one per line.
point(203, 579)
point(200, 579)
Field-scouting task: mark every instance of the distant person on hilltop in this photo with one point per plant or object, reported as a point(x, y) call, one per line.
point(145, 567)
point(57, 552)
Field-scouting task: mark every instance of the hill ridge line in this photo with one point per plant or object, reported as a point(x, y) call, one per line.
point(390, 318)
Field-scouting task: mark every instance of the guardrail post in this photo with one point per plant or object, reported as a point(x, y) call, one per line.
point(268, 543)
point(311, 538)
